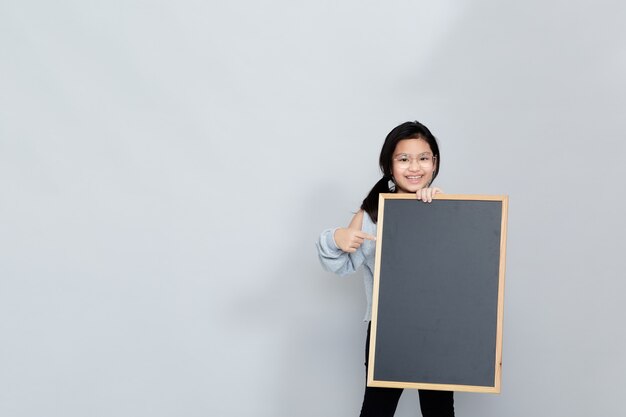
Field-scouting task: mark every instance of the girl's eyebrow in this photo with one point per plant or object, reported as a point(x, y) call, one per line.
point(409, 154)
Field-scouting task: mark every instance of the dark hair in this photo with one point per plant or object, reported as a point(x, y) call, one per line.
point(407, 130)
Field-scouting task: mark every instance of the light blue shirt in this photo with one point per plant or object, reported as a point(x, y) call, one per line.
point(343, 263)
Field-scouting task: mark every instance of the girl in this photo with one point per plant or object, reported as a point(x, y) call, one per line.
point(409, 161)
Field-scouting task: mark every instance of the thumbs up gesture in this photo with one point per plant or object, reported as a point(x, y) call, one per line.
point(351, 238)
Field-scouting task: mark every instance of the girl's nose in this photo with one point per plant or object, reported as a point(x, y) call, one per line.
point(414, 164)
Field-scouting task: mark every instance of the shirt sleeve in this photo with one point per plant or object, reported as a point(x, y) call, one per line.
point(334, 259)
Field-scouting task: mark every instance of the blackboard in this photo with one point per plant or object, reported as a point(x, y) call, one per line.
point(439, 293)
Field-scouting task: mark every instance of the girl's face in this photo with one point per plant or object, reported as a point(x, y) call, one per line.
point(413, 165)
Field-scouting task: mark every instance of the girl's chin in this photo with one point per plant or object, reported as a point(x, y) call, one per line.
point(408, 188)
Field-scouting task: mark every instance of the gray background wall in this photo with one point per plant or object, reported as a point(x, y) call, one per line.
point(165, 168)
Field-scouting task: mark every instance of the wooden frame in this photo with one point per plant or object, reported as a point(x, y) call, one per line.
point(489, 388)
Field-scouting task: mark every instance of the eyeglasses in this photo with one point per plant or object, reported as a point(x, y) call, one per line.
point(425, 160)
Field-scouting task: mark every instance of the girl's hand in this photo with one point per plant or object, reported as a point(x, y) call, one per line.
point(426, 194)
point(350, 239)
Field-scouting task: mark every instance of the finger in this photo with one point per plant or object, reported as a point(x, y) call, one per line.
point(355, 243)
point(422, 195)
point(364, 235)
point(351, 250)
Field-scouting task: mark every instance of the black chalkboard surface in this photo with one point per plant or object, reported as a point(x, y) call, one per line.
point(438, 293)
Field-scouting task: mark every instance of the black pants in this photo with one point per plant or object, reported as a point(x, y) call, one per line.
point(382, 402)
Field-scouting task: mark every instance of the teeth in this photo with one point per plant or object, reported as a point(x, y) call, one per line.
point(414, 178)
